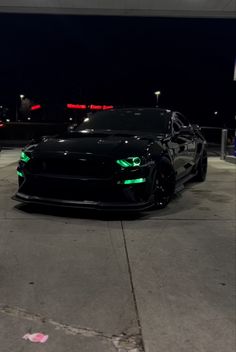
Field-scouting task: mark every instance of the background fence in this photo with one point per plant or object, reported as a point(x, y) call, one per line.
point(213, 137)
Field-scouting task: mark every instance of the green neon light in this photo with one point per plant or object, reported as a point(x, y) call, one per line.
point(129, 162)
point(20, 174)
point(130, 182)
point(123, 163)
point(24, 157)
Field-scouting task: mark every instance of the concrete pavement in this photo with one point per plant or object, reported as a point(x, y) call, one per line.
point(9, 156)
point(165, 280)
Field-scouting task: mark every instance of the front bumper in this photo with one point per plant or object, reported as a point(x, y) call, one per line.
point(100, 194)
point(86, 204)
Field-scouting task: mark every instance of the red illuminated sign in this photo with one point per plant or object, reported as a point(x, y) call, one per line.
point(107, 107)
point(91, 107)
point(35, 107)
point(76, 106)
point(101, 107)
point(95, 107)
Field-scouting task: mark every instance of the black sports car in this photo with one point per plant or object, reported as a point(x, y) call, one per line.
point(117, 159)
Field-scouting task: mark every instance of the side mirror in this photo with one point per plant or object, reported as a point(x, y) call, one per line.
point(196, 127)
point(186, 130)
point(183, 131)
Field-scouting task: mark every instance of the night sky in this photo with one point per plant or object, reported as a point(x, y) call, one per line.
point(121, 61)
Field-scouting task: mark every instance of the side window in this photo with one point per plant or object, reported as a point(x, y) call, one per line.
point(184, 121)
point(177, 125)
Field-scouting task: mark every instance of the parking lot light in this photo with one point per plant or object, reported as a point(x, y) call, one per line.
point(157, 94)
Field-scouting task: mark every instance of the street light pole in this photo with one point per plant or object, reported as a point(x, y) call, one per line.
point(16, 112)
point(157, 94)
point(21, 98)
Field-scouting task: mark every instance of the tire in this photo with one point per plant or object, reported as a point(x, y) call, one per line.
point(201, 168)
point(20, 181)
point(164, 184)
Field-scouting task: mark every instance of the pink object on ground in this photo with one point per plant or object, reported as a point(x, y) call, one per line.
point(37, 337)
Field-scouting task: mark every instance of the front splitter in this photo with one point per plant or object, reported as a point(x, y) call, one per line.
point(85, 204)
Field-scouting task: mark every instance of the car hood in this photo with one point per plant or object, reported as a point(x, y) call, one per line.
point(107, 145)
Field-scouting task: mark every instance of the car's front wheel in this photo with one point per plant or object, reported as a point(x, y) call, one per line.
point(164, 184)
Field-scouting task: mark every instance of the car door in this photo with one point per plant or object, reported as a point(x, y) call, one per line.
point(189, 134)
point(179, 146)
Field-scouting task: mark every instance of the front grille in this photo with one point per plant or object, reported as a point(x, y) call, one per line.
point(88, 167)
point(72, 189)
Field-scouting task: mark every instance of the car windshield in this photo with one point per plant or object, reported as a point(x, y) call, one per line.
point(147, 120)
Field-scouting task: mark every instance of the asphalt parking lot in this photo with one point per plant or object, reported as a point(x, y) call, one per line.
point(160, 281)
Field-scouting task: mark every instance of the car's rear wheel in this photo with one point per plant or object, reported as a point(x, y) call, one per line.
point(201, 168)
point(164, 184)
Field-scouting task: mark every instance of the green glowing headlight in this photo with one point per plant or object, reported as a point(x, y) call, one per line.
point(24, 157)
point(19, 173)
point(130, 182)
point(129, 162)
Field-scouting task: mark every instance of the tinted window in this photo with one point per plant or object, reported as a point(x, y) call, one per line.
point(184, 121)
point(131, 120)
point(176, 125)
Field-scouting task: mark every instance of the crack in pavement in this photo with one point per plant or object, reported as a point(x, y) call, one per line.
point(122, 343)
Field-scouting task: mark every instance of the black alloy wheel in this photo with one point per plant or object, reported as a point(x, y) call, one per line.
point(164, 184)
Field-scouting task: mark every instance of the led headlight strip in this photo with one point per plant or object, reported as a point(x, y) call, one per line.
point(24, 157)
point(131, 182)
point(129, 162)
point(19, 173)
